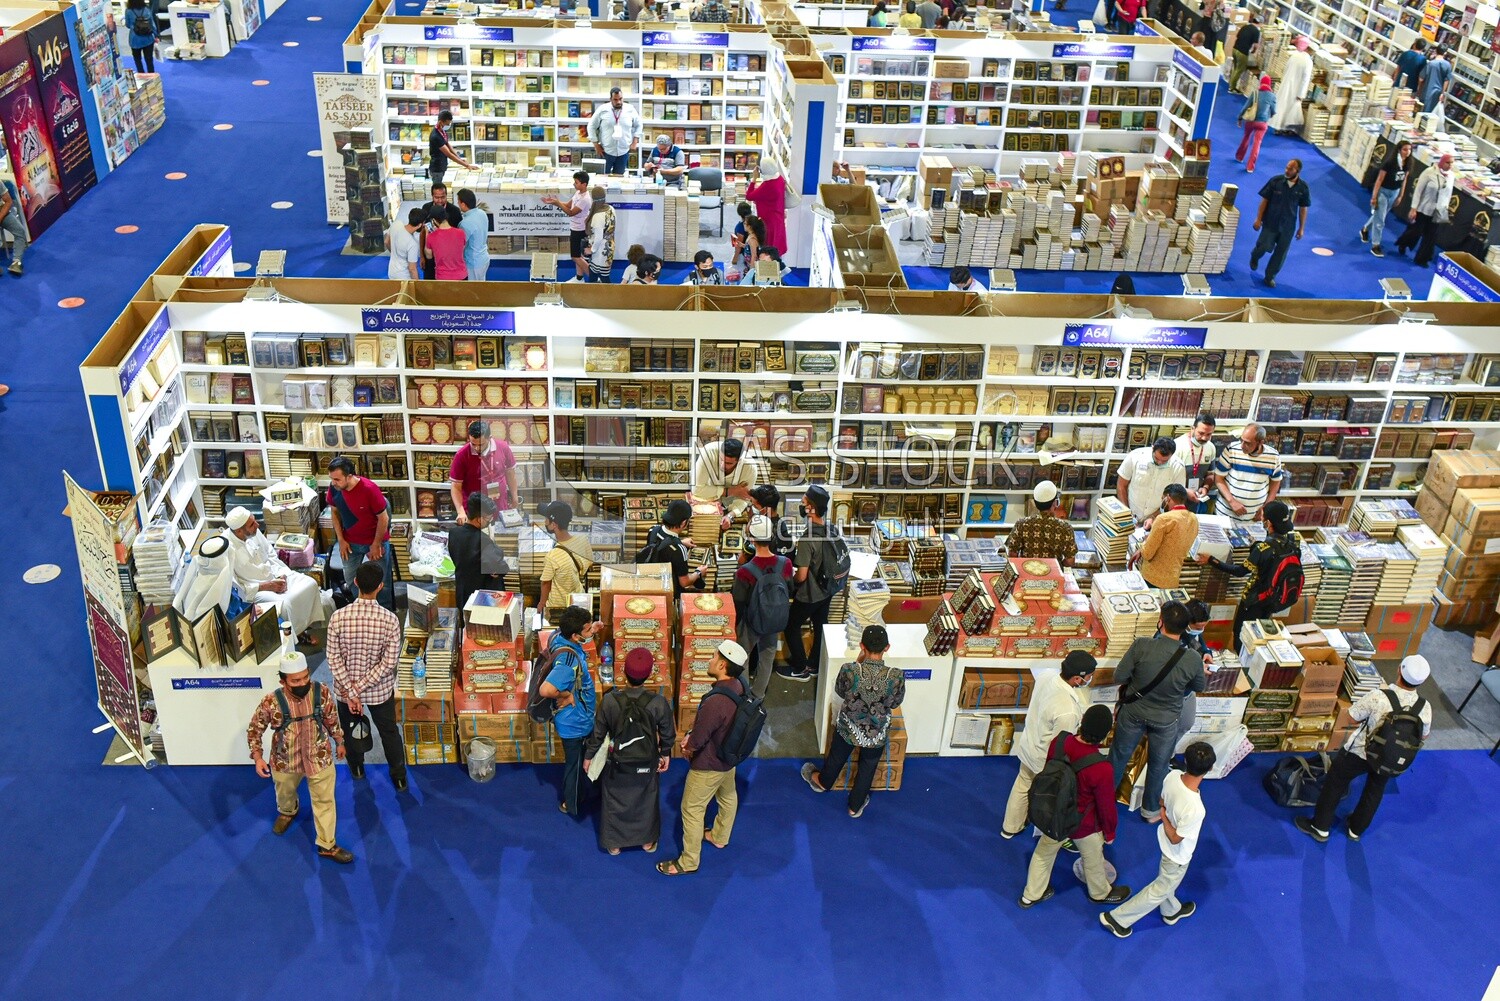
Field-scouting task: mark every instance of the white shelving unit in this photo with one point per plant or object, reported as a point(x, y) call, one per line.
point(533, 428)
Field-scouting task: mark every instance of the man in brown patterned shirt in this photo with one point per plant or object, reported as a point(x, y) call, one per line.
point(305, 740)
point(1045, 535)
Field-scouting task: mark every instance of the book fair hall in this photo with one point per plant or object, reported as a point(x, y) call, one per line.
point(1032, 475)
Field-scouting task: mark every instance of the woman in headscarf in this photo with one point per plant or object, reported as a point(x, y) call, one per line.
point(601, 236)
point(768, 193)
point(1256, 118)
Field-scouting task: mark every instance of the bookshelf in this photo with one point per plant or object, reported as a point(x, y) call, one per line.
point(523, 94)
point(947, 418)
point(1374, 33)
point(993, 102)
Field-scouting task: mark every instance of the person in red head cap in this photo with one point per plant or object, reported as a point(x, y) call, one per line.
point(633, 730)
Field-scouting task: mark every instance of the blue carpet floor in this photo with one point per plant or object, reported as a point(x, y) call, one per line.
point(168, 883)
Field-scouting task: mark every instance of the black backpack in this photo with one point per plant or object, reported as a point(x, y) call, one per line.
point(744, 730)
point(832, 564)
point(143, 25)
point(635, 746)
point(768, 608)
point(656, 549)
point(1395, 743)
point(539, 707)
point(1053, 802)
point(1285, 585)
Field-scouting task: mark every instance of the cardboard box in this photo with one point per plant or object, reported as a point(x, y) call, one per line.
point(1393, 646)
point(1322, 671)
point(935, 171)
point(1477, 510)
point(1304, 742)
point(887, 778)
point(429, 743)
point(469, 703)
point(1451, 470)
point(1472, 566)
point(545, 750)
point(435, 707)
point(1432, 509)
point(913, 611)
point(1322, 704)
point(510, 732)
point(988, 689)
point(1399, 618)
point(950, 69)
point(853, 205)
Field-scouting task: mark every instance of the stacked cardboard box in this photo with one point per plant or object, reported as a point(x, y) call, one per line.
point(1459, 500)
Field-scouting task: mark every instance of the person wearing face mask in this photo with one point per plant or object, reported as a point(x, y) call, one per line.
point(566, 563)
point(306, 740)
point(765, 499)
point(1144, 474)
point(1169, 541)
point(1192, 638)
point(1270, 565)
point(704, 271)
point(1056, 706)
point(815, 581)
point(1429, 210)
point(1283, 212)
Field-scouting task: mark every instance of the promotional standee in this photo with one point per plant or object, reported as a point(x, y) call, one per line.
point(28, 137)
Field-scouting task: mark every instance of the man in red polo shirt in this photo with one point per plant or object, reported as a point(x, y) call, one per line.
point(485, 465)
point(362, 522)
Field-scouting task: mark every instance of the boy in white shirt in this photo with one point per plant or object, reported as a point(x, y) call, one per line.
point(1182, 817)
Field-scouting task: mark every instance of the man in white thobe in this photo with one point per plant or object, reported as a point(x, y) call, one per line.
point(209, 580)
point(1296, 80)
point(262, 576)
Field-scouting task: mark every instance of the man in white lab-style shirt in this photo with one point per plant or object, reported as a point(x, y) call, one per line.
point(1056, 706)
point(1144, 474)
point(265, 579)
point(1182, 816)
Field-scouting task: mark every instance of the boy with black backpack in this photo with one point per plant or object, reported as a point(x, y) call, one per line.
point(1073, 797)
point(723, 734)
point(1393, 724)
point(762, 602)
point(821, 572)
point(638, 724)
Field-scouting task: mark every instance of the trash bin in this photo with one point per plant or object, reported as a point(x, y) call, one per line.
point(481, 759)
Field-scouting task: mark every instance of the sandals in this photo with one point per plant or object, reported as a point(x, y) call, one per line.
point(649, 849)
point(613, 851)
point(711, 841)
point(673, 869)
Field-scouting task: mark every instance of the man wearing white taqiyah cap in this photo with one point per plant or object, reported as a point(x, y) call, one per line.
point(710, 777)
point(209, 581)
point(1393, 723)
point(1045, 535)
point(260, 573)
point(762, 595)
point(306, 739)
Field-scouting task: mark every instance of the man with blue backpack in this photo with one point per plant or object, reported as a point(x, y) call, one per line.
point(724, 733)
point(762, 601)
point(567, 681)
point(1393, 724)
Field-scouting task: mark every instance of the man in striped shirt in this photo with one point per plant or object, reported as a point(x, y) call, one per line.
point(1248, 474)
point(363, 642)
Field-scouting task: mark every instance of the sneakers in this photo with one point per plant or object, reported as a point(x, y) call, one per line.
point(856, 814)
point(1117, 894)
point(342, 856)
point(1028, 904)
point(1364, 234)
point(1069, 846)
point(1305, 825)
point(1115, 928)
point(16, 269)
point(1349, 833)
point(792, 674)
point(1378, 250)
point(1007, 835)
point(1254, 261)
point(1270, 283)
point(1186, 911)
point(399, 782)
point(283, 821)
point(356, 769)
point(810, 770)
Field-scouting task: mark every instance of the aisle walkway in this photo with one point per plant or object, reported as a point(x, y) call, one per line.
point(169, 882)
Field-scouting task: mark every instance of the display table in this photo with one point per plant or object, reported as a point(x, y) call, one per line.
point(928, 680)
point(203, 711)
point(1106, 695)
point(640, 212)
point(197, 24)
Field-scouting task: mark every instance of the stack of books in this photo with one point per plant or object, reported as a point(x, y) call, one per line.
point(1430, 552)
point(1111, 530)
point(158, 554)
point(1125, 607)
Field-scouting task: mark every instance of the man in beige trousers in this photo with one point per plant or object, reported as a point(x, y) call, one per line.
point(1056, 705)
